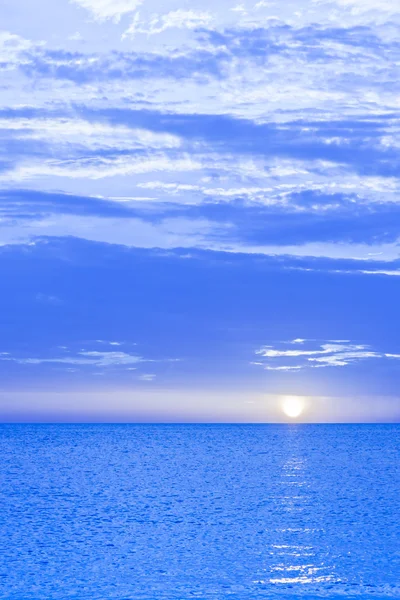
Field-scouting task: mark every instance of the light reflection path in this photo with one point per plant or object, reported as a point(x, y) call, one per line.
point(296, 558)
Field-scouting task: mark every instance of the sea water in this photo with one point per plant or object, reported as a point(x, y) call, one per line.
point(199, 511)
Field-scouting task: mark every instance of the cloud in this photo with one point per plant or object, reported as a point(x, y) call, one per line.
point(388, 272)
point(283, 368)
point(280, 133)
point(101, 167)
point(147, 377)
point(76, 37)
point(102, 10)
point(321, 355)
point(92, 136)
point(85, 358)
point(177, 19)
point(298, 161)
point(271, 65)
point(362, 6)
point(12, 48)
point(48, 299)
point(27, 216)
point(172, 318)
point(272, 353)
point(117, 71)
point(131, 232)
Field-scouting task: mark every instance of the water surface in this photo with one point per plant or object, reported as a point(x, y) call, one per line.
point(199, 511)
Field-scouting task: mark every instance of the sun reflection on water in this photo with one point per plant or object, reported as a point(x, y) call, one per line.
point(295, 557)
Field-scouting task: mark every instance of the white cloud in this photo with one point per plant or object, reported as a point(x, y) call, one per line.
point(106, 359)
point(263, 4)
point(100, 167)
point(102, 10)
point(282, 368)
point(239, 8)
point(274, 182)
point(356, 75)
point(169, 233)
point(86, 358)
point(390, 273)
point(92, 136)
point(177, 19)
point(12, 47)
point(343, 357)
point(324, 355)
point(92, 358)
point(363, 6)
point(335, 250)
point(271, 353)
point(177, 232)
point(76, 37)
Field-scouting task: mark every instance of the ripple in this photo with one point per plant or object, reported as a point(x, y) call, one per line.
point(174, 512)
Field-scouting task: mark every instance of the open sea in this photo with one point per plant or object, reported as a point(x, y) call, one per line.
point(179, 512)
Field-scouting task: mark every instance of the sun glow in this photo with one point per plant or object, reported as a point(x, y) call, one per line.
point(293, 406)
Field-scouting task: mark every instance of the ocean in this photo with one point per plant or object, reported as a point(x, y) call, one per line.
point(199, 511)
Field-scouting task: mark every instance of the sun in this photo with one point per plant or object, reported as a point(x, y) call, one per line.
point(293, 406)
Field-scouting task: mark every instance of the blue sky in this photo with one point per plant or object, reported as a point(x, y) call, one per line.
point(199, 209)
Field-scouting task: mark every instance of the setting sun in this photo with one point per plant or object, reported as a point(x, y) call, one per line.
point(293, 406)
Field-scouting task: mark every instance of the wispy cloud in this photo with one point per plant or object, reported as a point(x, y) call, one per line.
point(256, 132)
point(92, 136)
point(177, 19)
point(147, 377)
point(102, 10)
point(85, 358)
point(12, 47)
point(329, 354)
point(48, 299)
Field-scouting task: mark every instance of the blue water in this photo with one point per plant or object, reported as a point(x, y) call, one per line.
point(199, 511)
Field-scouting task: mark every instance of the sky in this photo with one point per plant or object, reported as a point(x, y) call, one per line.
point(199, 210)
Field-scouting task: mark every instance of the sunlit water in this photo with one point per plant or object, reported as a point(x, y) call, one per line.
point(199, 511)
